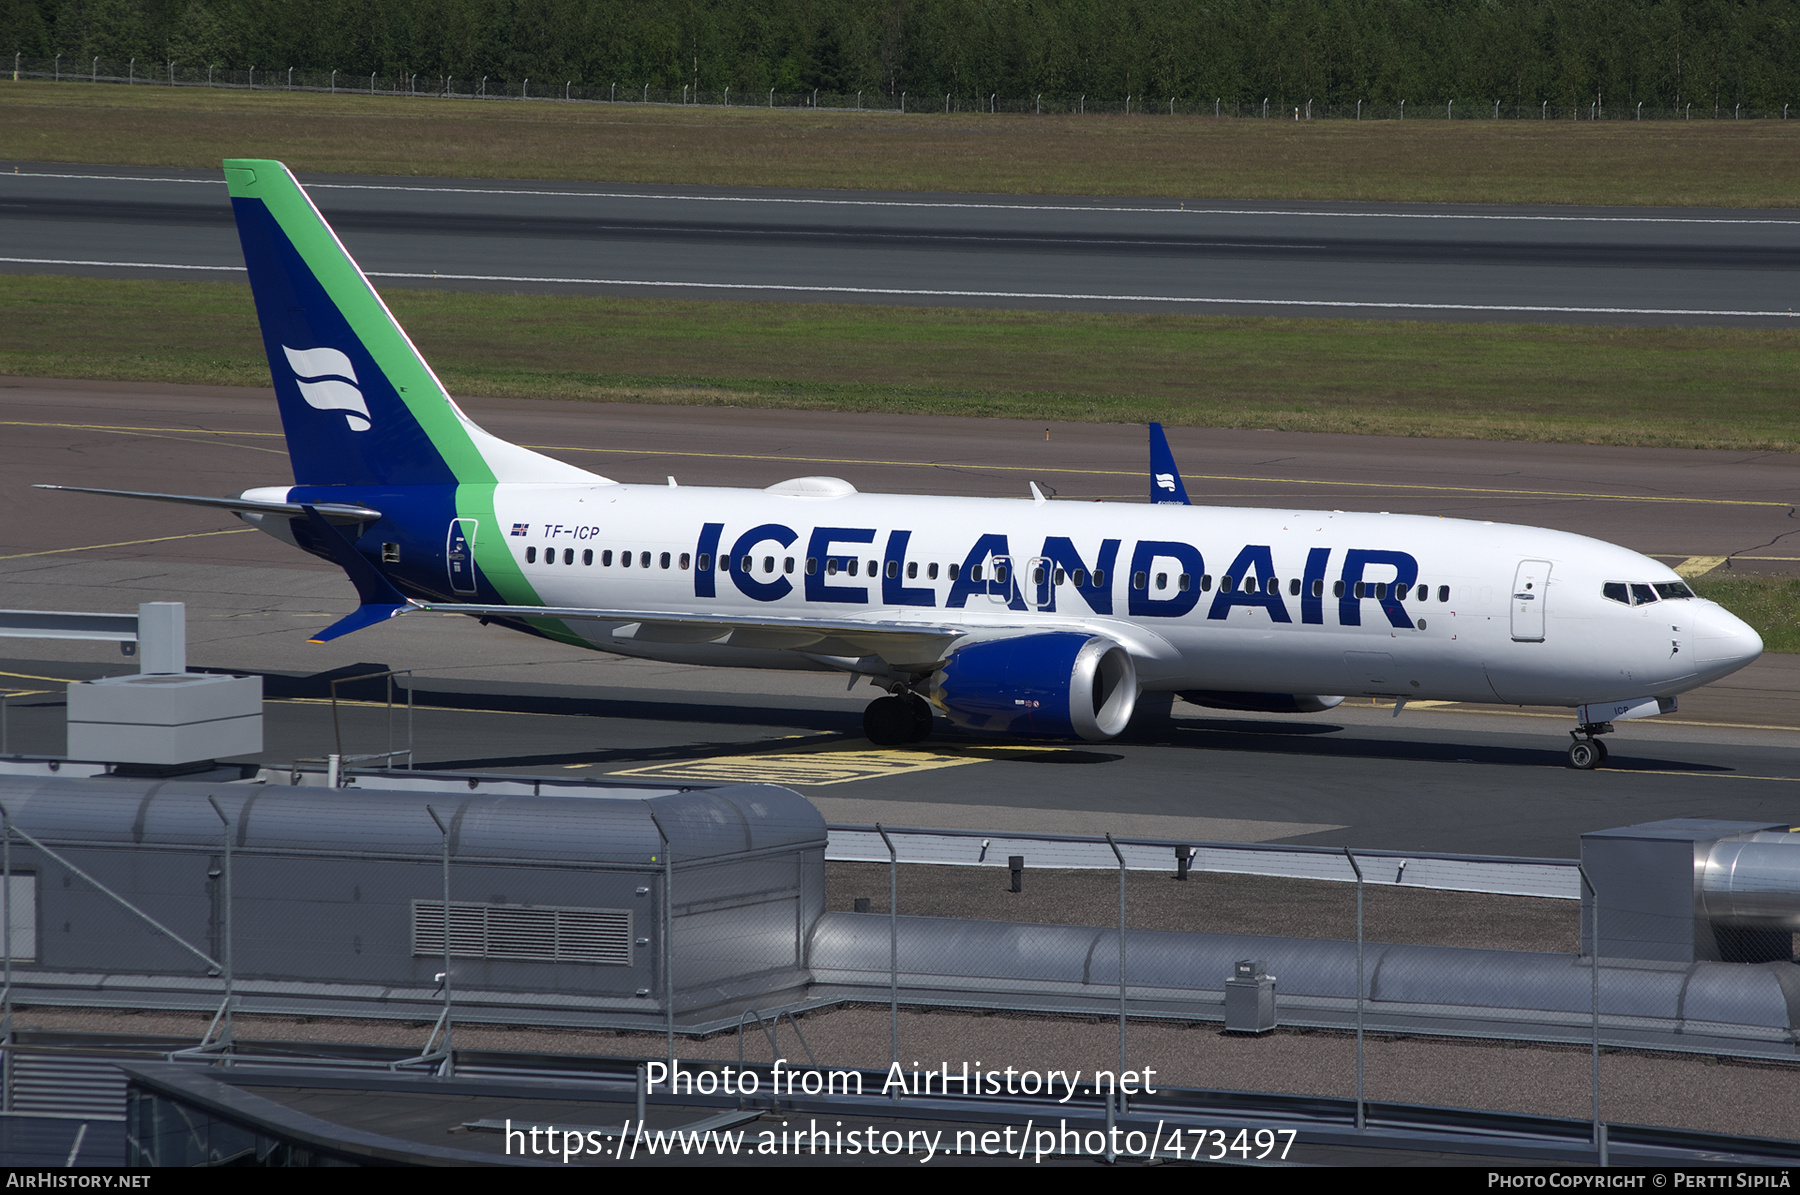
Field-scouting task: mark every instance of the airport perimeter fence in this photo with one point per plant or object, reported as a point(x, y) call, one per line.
point(178, 74)
point(1309, 972)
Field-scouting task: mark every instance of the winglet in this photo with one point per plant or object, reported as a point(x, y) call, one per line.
point(1165, 478)
point(380, 600)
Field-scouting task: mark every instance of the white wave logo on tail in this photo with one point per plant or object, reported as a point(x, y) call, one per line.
point(327, 381)
point(1166, 481)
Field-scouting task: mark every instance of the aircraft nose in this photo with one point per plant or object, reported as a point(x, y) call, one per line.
point(1723, 642)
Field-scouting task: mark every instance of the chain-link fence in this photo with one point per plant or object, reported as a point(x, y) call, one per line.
point(172, 73)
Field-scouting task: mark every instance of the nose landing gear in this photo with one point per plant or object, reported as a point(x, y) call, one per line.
point(1587, 752)
point(896, 719)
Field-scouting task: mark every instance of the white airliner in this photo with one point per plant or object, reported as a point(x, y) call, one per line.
point(1026, 617)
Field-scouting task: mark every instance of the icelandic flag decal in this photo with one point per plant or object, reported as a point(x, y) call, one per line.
point(520, 528)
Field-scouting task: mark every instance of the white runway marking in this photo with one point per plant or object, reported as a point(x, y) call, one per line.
point(911, 293)
point(933, 204)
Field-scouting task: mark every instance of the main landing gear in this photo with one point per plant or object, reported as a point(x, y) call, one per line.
point(898, 718)
point(1587, 752)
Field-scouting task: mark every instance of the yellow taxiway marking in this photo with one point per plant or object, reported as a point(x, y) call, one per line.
point(126, 427)
point(1385, 487)
point(805, 768)
point(60, 680)
point(129, 543)
point(159, 433)
point(1698, 566)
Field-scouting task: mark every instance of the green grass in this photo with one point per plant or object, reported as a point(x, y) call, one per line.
point(1677, 163)
point(1669, 387)
point(1770, 604)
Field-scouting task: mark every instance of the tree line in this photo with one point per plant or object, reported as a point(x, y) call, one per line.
point(1517, 52)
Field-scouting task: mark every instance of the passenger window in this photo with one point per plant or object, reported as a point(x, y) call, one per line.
point(974, 572)
point(568, 555)
point(1060, 576)
point(812, 565)
point(1183, 582)
point(1617, 591)
point(1162, 580)
point(1227, 583)
point(587, 556)
point(931, 571)
point(768, 563)
point(956, 568)
point(912, 570)
point(643, 560)
point(1443, 593)
point(1359, 590)
point(1381, 591)
point(893, 569)
point(1080, 578)
point(1137, 580)
point(1205, 582)
point(1673, 589)
point(1318, 589)
point(1099, 577)
point(1000, 574)
point(1642, 595)
point(1337, 589)
point(684, 561)
point(787, 564)
point(871, 568)
point(1272, 585)
point(1293, 586)
point(530, 555)
point(1037, 575)
point(606, 558)
point(1400, 592)
point(705, 565)
point(831, 566)
point(854, 565)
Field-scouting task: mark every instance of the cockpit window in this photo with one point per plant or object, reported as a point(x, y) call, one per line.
point(1617, 591)
point(1670, 590)
point(1642, 595)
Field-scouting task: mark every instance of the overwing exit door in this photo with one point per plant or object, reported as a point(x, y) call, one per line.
point(459, 554)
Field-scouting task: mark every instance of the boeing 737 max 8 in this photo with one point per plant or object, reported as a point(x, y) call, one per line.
point(1033, 618)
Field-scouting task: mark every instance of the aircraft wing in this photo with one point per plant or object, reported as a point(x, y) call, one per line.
point(336, 512)
point(907, 646)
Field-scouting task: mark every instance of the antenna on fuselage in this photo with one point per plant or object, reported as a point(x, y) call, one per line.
point(1165, 478)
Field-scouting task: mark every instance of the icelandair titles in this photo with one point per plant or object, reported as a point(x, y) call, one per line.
point(1164, 578)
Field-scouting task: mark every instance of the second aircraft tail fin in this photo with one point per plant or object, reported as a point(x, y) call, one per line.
point(1165, 479)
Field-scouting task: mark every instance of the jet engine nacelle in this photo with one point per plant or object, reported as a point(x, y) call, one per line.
point(1055, 685)
point(1261, 703)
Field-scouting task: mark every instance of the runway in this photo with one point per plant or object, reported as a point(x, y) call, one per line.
point(1557, 265)
point(1469, 779)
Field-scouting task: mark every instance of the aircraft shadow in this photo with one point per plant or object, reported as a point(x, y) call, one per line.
point(1248, 736)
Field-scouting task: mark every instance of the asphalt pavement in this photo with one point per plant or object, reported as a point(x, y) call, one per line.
point(1533, 264)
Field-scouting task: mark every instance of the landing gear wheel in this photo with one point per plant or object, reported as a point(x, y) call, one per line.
point(889, 721)
point(921, 711)
point(1586, 754)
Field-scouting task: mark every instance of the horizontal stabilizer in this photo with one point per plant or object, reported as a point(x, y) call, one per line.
point(336, 512)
